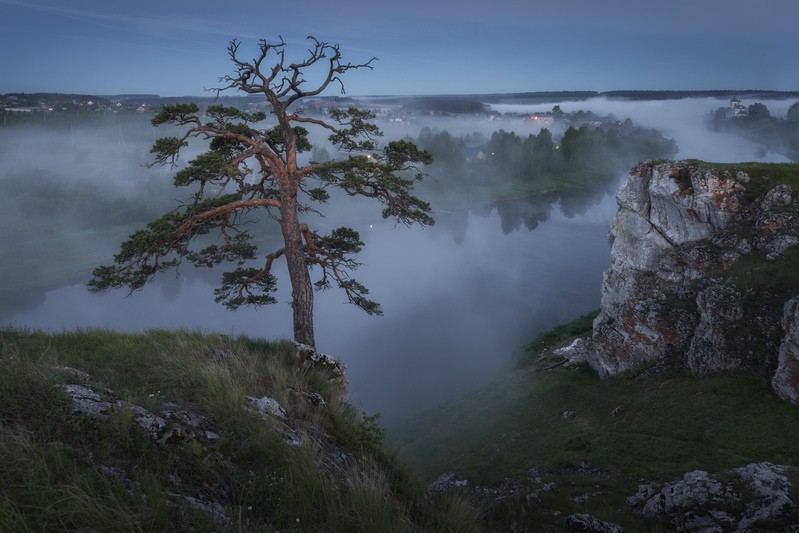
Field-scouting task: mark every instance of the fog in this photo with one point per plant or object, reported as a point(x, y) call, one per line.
point(459, 298)
point(683, 120)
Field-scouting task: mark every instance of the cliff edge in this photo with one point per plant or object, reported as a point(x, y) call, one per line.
point(704, 273)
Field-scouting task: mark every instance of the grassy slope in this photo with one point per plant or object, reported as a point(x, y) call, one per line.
point(56, 465)
point(663, 428)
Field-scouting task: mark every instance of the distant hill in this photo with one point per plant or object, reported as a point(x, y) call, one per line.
point(676, 95)
point(132, 97)
point(446, 105)
point(53, 99)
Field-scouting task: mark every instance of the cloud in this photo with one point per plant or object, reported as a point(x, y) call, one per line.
point(156, 21)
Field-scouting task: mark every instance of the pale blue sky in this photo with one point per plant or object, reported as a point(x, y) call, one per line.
point(177, 47)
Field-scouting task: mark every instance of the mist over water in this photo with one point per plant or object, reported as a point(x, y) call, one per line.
point(458, 298)
point(453, 312)
point(683, 120)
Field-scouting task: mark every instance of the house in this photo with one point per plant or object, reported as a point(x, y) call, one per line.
point(545, 120)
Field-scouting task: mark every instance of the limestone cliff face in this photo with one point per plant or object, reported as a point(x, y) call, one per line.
point(690, 283)
point(786, 379)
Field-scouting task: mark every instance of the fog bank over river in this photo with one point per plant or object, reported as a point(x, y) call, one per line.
point(453, 312)
point(459, 298)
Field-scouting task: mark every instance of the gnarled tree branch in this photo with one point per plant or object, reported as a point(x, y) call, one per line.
point(276, 181)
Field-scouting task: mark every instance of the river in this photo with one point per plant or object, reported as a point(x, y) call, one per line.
point(458, 300)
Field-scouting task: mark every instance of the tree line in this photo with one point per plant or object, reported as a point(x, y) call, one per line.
point(539, 163)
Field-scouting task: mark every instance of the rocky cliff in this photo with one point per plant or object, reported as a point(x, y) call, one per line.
point(704, 273)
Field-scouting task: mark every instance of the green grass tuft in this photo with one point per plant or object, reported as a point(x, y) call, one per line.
point(70, 472)
point(560, 335)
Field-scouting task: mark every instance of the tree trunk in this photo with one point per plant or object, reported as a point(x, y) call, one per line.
point(301, 289)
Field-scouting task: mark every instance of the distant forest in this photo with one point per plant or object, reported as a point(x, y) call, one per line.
point(468, 170)
point(562, 96)
point(62, 99)
point(591, 153)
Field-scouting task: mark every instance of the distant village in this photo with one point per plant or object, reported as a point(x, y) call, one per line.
point(54, 102)
point(399, 111)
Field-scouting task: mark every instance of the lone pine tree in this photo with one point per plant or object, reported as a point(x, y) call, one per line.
point(252, 165)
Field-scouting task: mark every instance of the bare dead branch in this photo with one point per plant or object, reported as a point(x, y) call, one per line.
point(318, 122)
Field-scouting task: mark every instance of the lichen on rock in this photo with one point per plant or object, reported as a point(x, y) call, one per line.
point(669, 296)
point(702, 502)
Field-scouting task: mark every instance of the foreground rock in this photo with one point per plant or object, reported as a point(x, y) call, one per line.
point(670, 295)
point(756, 497)
point(172, 425)
point(585, 523)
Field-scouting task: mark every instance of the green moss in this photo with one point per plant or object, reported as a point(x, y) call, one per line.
point(763, 176)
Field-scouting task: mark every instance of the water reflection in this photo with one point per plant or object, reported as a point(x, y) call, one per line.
point(517, 213)
point(458, 299)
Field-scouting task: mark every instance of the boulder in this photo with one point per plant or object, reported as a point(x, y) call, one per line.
point(585, 523)
point(314, 359)
point(265, 407)
point(773, 500)
point(701, 502)
point(445, 483)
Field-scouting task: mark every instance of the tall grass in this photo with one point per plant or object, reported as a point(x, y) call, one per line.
point(66, 472)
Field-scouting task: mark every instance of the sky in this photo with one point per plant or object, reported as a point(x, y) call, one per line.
point(178, 47)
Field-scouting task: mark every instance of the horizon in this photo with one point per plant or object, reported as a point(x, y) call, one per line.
point(178, 48)
point(587, 93)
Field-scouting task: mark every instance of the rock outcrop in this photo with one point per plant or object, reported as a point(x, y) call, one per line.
point(170, 425)
point(752, 498)
point(786, 379)
point(696, 256)
point(585, 523)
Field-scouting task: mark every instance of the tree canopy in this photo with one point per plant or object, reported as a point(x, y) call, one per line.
point(251, 164)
